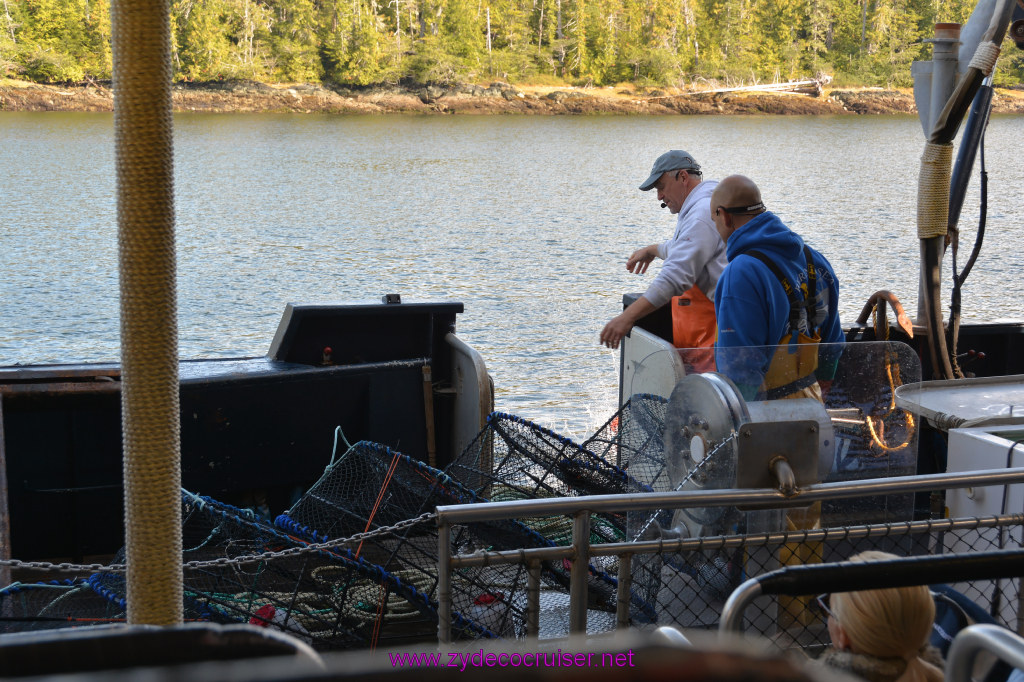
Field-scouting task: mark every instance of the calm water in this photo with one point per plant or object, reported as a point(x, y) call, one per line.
point(527, 220)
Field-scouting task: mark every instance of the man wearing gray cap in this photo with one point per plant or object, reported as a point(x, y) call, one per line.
point(694, 257)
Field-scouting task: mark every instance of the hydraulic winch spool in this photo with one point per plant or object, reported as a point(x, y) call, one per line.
point(716, 440)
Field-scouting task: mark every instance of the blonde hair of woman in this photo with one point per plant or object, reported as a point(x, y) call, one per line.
point(881, 634)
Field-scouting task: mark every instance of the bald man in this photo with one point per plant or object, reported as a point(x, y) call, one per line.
point(761, 300)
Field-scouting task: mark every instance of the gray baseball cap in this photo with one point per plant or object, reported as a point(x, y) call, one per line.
point(670, 161)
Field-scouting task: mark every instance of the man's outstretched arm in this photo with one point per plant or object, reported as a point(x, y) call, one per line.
point(642, 259)
point(621, 324)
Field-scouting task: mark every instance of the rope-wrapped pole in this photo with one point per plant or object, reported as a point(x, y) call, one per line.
point(932, 225)
point(933, 190)
point(935, 169)
point(149, 333)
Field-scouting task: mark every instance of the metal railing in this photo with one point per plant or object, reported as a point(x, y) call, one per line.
point(581, 549)
point(852, 576)
point(974, 639)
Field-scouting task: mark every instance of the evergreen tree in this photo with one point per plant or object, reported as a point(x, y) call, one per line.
point(293, 39)
point(779, 46)
point(833, 35)
point(361, 49)
point(202, 31)
point(462, 29)
point(10, 23)
point(249, 36)
point(685, 39)
point(96, 60)
point(55, 42)
point(894, 33)
point(576, 58)
point(361, 42)
point(602, 42)
point(736, 58)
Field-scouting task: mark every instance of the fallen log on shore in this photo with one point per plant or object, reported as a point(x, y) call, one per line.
point(809, 86)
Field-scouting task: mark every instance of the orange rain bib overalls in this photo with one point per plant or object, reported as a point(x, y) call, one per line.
point(694, 329)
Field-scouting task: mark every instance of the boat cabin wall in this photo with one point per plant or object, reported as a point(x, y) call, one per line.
point(361, 334)
point(254, 431)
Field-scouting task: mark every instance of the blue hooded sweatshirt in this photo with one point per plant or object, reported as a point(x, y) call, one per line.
point(752, 307)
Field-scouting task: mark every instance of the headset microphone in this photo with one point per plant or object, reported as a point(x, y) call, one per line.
point(664, 205)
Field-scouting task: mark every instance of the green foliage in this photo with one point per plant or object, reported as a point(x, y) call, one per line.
point(894, 32)
point(462, 31)
point(546, 80)
point(8, 50)
point(1009, 69)
point(52, 67)
point(293, 40)
point(658, 67)
point(654, 43)
point(56, 40)
point(515, 65)
point(203, 38)
point(429, 63)
point(363, 54)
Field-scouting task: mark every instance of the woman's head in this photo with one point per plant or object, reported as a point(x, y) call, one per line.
point(888, 623)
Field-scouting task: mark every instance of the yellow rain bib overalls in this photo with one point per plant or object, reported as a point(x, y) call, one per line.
point(791, 375)
point(791, 371)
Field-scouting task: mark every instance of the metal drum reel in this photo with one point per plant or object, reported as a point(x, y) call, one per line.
point(716, 440)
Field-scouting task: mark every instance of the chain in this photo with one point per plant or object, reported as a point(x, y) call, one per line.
point(226, 561)
point(65, 567)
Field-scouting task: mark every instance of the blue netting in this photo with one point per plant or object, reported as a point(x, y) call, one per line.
point(55, 604)
point(327, 597)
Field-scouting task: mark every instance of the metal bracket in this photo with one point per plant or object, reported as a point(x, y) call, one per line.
point(759, 443)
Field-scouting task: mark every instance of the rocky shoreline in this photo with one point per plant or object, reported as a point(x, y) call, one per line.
point(496, 98)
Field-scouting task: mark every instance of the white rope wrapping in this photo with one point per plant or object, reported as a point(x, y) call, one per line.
point(933, 190)
point(984, 58)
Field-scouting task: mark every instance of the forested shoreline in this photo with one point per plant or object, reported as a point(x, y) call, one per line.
point(496, 98)
point(585, 43)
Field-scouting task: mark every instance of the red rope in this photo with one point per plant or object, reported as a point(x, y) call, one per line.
point(380, 498)
point(380, 619)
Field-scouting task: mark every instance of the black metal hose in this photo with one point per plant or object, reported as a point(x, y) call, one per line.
point(972, 143)
point(902, 572)
point(853, 576)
